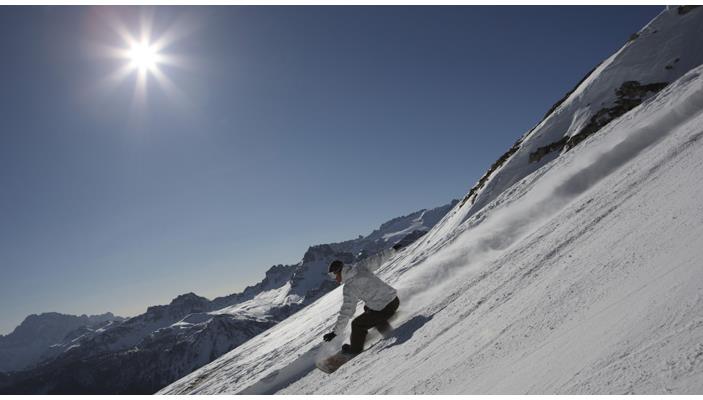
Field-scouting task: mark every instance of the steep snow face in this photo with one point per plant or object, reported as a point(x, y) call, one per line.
point(584, 279)
point(658, 54)
point(661, 52)
point(260, 306)
point(581, 277)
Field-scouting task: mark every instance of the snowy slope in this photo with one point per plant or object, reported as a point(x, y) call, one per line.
point(579, 276)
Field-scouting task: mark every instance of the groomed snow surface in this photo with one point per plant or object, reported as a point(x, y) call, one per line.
point(583, 278)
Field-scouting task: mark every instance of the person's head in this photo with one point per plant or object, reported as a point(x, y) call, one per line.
point(335, 270)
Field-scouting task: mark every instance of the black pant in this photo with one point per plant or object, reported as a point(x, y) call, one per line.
point(371, 319)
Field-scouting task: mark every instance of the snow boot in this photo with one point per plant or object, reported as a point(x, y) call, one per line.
point(347, 350)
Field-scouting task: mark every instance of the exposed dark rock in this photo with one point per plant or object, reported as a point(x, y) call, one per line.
point(324, 252)
point(471, 196)
point(566, 96)
point(629, 95)
point(544, 150)
point(671, 65)
point(178, 308)
point(633, 91)
point(408, 239)
point(686, 9)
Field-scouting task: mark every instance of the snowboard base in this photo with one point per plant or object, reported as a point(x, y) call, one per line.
point(333, 362)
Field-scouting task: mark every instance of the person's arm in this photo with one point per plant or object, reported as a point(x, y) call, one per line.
point(348, 309)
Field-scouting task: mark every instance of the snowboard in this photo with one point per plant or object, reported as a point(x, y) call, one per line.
point(333, 362)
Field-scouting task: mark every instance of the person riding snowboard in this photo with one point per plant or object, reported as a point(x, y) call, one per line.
point(381, 302)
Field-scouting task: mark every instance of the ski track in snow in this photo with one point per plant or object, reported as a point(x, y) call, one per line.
point(583, 277)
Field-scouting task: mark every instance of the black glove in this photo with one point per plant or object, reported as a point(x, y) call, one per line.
point(329, 336)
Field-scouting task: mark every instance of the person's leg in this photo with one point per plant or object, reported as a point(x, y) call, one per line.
point(384, 327)
point(360, 328)
point(391, 308)
point(370, 319)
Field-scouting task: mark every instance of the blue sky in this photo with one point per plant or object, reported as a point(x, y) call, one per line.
point(290, 126)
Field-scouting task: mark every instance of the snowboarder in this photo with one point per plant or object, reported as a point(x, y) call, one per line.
point(380, 303)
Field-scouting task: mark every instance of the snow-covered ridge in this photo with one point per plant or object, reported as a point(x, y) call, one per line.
point(658, 54)
point(36, 336)
point(577, 273)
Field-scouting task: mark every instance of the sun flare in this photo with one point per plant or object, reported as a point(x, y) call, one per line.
point(143, 57)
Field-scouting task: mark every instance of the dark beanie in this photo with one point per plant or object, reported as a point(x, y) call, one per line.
point(336, 266)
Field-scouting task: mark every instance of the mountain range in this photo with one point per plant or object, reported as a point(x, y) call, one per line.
point(63, 354)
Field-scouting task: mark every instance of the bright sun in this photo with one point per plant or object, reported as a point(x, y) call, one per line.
point(143, 57)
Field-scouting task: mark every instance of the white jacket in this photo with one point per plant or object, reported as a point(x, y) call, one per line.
point(361, 284)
